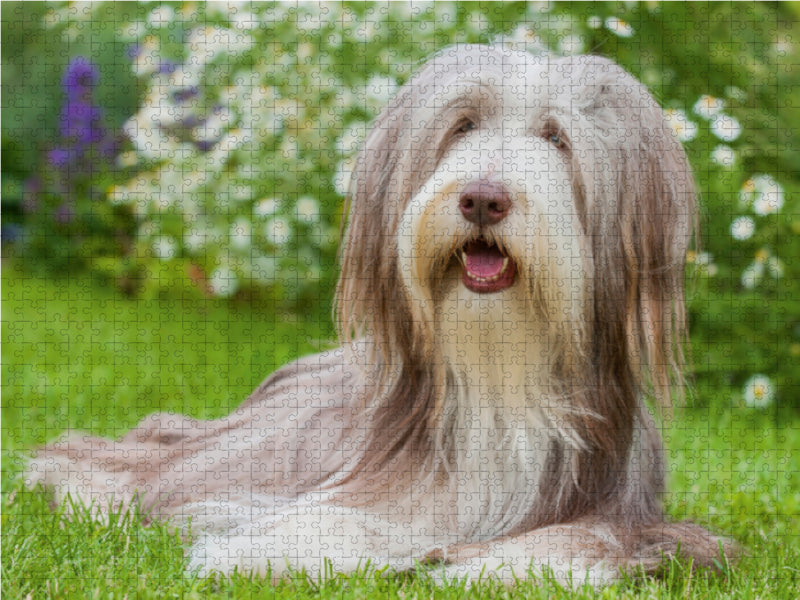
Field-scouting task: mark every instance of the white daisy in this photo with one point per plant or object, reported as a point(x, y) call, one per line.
point(307, 209)
point(240, 234)
point(752, 275)
point(223, 282)
point(619, 27)
point(165, 247)
point(759, 391)
point(278, 231)
point(684, 129)
point(725, 127)
point(743, 228)
point(708, 106)
point(723, 155)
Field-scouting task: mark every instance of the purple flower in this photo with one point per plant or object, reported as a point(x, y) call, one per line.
point(60, 157)
point(64, 214)
point(81, 122)
point(133, 50)
point(166, 67)
point(184, 94)
point(30, 194)
point(11, 232)
point(79, 77)
point(205, 145)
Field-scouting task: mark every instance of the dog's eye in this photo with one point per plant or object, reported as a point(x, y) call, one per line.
point(465, 126)
point(557, 141)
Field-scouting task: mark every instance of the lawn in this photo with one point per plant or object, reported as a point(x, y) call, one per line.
point(79, 355)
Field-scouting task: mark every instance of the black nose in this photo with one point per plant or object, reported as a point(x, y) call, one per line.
point(484, 202)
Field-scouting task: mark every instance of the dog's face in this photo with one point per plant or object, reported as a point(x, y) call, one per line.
point(503, 187)
point(493, 234)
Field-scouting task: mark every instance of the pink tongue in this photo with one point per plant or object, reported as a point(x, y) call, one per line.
point(483, 260)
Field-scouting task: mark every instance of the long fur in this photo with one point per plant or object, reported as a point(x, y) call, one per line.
point(495, 431)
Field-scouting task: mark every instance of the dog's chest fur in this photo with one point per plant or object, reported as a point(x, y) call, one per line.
point(492, 440)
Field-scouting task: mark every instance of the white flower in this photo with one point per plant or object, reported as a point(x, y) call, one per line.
point(594, 22)
point(127, 159)
point(206, 43)
point(223, 282)
point(743, 228)
point(684, 129)
point(241, 192)
point(540, 7)
point(161, 16)
point(619, 27)
point(240, 234)
point(736, 93)
point(571, 44)
point(723, 155)
point(147, 59)
point(278, 231)
point(183, 77)
point(704, 261)
point(118, 194)
point(307, 209)
point(768, 195)
point(775, 267)
point(165, 247)
point(265, 268)
point(341, 179)
point(703, 258)
point(523, 35)
point(746, 193)
point(752, 275)
point(725, 127)
point(132, 31)
point(265, 207)
point(477, 22)
point(150, 141)
point(194, 239)
point(381, 88)
point(213, 127)
point(708, 106)
point(351, 138)
point(759, 391)
point(244, 20)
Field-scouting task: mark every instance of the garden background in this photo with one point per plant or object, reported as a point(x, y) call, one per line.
point(173, 176)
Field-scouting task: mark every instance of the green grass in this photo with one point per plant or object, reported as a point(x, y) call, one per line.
point(76, 355)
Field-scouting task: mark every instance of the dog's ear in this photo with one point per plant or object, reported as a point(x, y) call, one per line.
point(397, 157)
point(640, 214)
point(368, 300)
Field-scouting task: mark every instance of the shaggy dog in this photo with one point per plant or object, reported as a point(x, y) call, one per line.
point(511, 294)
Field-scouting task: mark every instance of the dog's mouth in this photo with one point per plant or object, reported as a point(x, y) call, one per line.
point(485, 267)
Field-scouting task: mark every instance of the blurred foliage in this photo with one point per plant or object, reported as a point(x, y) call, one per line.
point(240, 122)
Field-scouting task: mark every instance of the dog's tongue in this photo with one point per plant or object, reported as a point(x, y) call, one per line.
point(486, 268)
point(483, 260)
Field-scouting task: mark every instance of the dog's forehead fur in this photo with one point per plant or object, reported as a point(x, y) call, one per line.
point(509, 84)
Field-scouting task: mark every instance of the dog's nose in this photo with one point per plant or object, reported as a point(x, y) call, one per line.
point(484, 202)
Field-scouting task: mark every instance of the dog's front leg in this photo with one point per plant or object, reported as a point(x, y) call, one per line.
point(573, 553)
point(303, 536)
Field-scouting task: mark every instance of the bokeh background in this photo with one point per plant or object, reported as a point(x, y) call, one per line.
point(173, 177)
point(191, 148)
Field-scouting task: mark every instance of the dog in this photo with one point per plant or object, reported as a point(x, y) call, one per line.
point(511, 314)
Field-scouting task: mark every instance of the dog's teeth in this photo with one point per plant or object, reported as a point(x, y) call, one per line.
point(505, 265)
